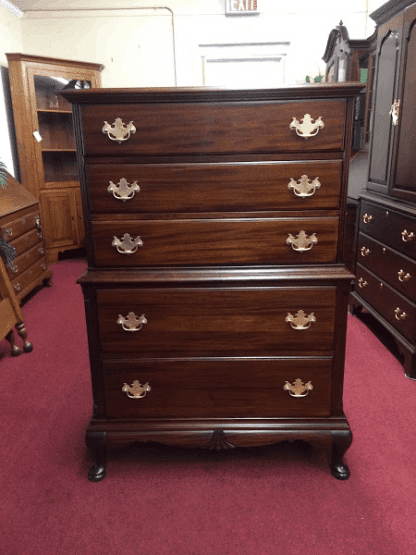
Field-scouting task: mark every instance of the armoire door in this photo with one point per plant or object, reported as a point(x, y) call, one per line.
point(403, 184)
point(386, 85)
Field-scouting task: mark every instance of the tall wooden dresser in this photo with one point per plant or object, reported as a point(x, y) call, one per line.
point(386, 253)
point(216, 294)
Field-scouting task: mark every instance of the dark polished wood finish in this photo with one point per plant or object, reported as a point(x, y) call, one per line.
point(215, 288)
point(388, 214)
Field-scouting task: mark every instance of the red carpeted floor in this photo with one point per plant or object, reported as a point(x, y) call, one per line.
point(277, 500)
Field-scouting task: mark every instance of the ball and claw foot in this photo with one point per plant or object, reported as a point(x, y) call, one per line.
point(340, 471)
point(96, 473)
point(15, 351)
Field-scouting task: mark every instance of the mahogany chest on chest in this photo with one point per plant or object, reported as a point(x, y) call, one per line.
point(216, 294)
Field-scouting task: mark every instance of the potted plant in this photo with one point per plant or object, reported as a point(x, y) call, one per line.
point(3, 175)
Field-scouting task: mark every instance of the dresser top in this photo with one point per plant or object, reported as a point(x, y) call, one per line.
point(207, 94)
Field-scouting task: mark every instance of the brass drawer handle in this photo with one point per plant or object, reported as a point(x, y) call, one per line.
point(304, 187)
point(9, 231)
point(367, 218)
point(400, 315)
point(302, 242)
point(118, 131)
point(300, 321)
point(364, 251)
point(362, 283)
point(37, 222)
point(43, 266)
point(308, 128)
point(395, 112)
point(127, 245)
point(41, 250)
point(123, 190)
point(16, 287)
point(406, 236)
point(298, 388)
point(136, 390)
point(403, 277)
point(131, 322)
point(13, 267)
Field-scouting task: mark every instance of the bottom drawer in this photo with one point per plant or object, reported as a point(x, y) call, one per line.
point(217, 388)
point(392, 306)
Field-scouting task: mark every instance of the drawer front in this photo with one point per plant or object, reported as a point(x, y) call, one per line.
point(213, 388)
point(216, 322)
point(25, 260)
point(398, 270)
point(24, 280)
point(396, 229)
point(215, 128)
point(12, 230)
point(236, 187)
point(27, 241)
point(227, 241)
point(397, 310)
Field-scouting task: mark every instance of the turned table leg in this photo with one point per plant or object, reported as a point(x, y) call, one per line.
point(11, 339)
point(21, 330)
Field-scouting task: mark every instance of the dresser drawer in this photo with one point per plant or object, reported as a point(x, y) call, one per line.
point(25, 260)
point(395, 229)
point(227, 128)
point(400, 312)
point(226, 241)
point(398, 270)
point(25, 279)
point(234, 187)
point(27, 241)
point(20, 226)
point(217, 388)
point(216, 321)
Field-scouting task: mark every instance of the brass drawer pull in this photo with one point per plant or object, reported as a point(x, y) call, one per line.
point(41, 250)
point(304, 187)
point(302, 242)
point(402, 276)
point(131, 322)
point(308, 128)
point(395, 112)
point(9, 231)
point(16, 287)
point(367, 218)
point(400, 315)
point(123, 190)
point(362, 283)
point(364, 251)
point(127, 245)
point(136, 390)
point(37, 222)
point(298, 388)
point(407, 237)
point(300, 321)
point(13, 267)
point(118, 131)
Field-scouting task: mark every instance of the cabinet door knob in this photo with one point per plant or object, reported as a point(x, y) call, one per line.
point(136, 390)
point(406, 236)
point(118, 131)
point(123, 190)
point(302, 242)
point(399, 314)
point(304, 187)
point(395, 112)
point(300, 321)
point(364, 251)
point(308, 128)
point(367, 218)
point(402, 276)
point(298, 388)
point(131, 322)
point(362, 283)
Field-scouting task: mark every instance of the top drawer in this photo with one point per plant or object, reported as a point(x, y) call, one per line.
point(18, 227)
point(211, 128)
point(395, 229)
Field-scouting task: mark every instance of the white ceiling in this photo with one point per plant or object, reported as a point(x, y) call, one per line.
point(29, 5)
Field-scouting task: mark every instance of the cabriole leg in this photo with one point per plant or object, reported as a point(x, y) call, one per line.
point(96, 444)
point(340, 443)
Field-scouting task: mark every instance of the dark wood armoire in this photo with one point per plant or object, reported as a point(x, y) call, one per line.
point(386, 251)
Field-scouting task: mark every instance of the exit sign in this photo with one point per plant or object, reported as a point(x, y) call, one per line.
point(241, 7)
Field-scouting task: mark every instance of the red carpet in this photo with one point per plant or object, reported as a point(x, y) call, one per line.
point(156, 501)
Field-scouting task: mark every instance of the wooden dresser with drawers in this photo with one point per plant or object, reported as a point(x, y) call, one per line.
point(216, 294)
